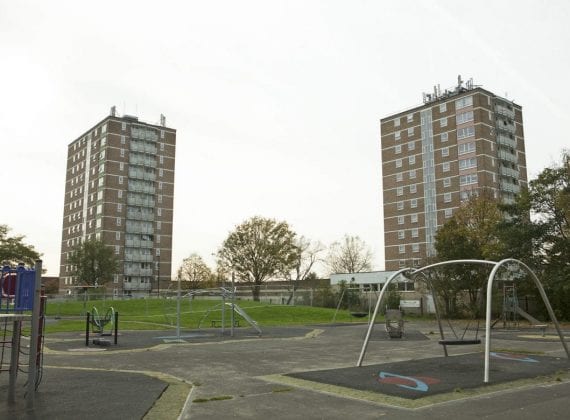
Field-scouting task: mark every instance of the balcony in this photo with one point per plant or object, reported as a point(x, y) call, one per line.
point(138, 272)
point(137, 286)
point(139, 244)
point(507, 156)
point(503, 110)
point(138, 258)
point(504, 140)
point(505, 126)
point(507, 186)
point(512, 173)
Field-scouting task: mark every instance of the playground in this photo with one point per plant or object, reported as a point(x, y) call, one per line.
point(414, 368)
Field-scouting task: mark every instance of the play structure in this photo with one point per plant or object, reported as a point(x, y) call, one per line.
point(97, 324)
point(234, 308)
point(511, 311)
point(354, 310)
point(228, 297)
point(22, 307)
point(463, 339)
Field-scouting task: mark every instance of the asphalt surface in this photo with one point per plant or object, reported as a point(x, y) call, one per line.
point(204, 375)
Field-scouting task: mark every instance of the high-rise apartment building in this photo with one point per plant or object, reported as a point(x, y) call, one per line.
point(436, 155)
point(119, 188)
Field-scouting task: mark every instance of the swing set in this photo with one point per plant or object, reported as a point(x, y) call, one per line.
point(460, 339)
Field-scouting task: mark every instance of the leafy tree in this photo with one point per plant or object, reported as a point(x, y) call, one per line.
point(13, 250)
point(472, 233)
point(352, 255)
point(549, 197)
point(259, 249)
point(307, 257)
point(94, 263)
point(195, 273)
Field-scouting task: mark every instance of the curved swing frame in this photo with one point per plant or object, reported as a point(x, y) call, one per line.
point(492, 275)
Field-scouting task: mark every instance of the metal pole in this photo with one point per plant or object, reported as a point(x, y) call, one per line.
point(116, 326)
point(178, 294)
point(33, 359)
point(376, 308)
point(87, 319)
point(233, 304)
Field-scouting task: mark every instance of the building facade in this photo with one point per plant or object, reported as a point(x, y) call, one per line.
point(119, 189)
point(434, 156)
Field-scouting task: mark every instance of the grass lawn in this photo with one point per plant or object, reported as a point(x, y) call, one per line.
point(154, 313)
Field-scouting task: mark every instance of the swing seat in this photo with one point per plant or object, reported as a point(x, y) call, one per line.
point(459, 342)
point(359, 314)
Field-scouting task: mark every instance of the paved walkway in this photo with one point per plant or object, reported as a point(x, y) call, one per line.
point(206, 376)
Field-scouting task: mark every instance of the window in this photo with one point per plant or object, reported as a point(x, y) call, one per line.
point(158, 252)
point(160, 172)
point(159, 211)
point(414, 218)
point(442, 107)
point(101, 181)
point(446, 166)
point(396, 122)
point(120, 193)
point(410, 131)
point(415, 247)
point(158, 225)
point(413, 174)
point(123, 126)
point(160, 185)
point(446, 182)
point(464, 117)
point(400, 220)
point(464, 102)
point(412, 159)
point(399, 191)
point(161, 159)
point(118, 221)
point(402, 249)
point(121, 166)
point(402, 263)
point(414, 203)
point(398, 163)
point(117, 249)
point(162, 147)
point(120, 180)
point(401, 234)
point(119, 208)
point(467, 163)
point(157, 239)
point(399, 177)
point(447, 197)
point(400, 205)
point(397, 135)
point(468, 179)
point(398, 149)
point(448, 213)
point(161, 134)
point(159, 198)
point(443, 122)
point(466, 147)
point(118, 236)
point(411, 145)
point(410, 117)
point(444, 136)
point(413, 188)
point(122, 152)
point(123, 140)
point(465, 132)
point(415, 232)
point(445, 152)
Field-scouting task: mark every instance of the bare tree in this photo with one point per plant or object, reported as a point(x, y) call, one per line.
point(309, 254)
point(351, 255)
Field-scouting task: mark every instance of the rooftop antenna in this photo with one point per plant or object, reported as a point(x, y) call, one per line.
point(162, 120)
point(459, 81)
point(113, 111)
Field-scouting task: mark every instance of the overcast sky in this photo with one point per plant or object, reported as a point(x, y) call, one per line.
point(276, 103)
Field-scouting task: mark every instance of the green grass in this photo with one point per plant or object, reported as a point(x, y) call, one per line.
point(156, 314)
